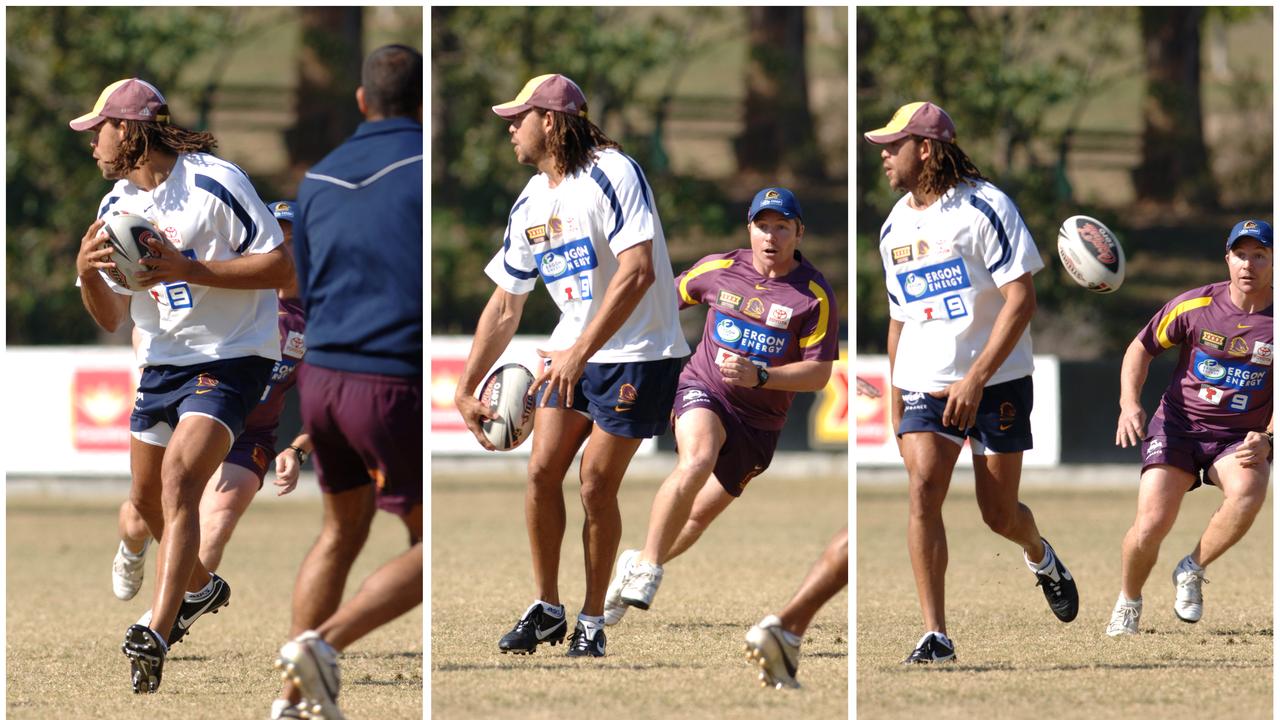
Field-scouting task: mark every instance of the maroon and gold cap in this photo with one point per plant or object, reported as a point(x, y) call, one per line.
point(918, 118)
point(546, 92)
point(129, 99)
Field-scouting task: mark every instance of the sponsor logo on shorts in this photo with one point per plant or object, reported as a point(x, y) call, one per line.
point(536, 234)
point(913, 401)
point(1261, 353)
point(779, 316)
point(259, 457)
point(1155, 447)
point(695, 396)
point(1208, 338)
point(733, 301)
point(1210, 394)
point(901, 254)
point(1239, 347)
point(206, 381)
point(1008, 413)
point(755, 307)
point(934, 280)
point(627, 396)
point(295, 346)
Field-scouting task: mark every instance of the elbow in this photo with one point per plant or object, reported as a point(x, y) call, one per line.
point(110, 324)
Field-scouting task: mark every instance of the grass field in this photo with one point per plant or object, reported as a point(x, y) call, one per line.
point(65, 627)
point(1015, 660)
point(681, 659)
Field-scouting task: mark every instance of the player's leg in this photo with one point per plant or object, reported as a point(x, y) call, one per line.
point(128, 567)
point(712, 500)
point(929, 458)
point(1160, 493)
point(226, 497)
point(134, 532)
point(557, 435)
point(604, 462)
point(1244, 491)
point(774, 642)
point(699, 437)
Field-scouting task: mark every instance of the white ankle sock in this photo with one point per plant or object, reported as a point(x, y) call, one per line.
point(202, 593)
point(552, 610)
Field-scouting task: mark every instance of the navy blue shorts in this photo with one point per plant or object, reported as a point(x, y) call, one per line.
point(1004, 416)
point(631, 400)
point(747, 451)
point(225, 390)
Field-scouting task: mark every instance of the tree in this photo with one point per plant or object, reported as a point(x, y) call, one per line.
point(778, 131)
point(1175, 160)
point(328, 74)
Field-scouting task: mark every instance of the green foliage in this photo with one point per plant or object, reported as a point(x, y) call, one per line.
point(58, 60)
point(481, 56)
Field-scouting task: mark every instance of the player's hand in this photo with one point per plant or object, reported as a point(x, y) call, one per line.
point(739, 371)
point(962, 397)
point(473, 413)
point(93, 254)
point(1131, 426)
point(561, 375)
point(866, 389)
point(1254, 450)
point(287, 472)
point(169, 266)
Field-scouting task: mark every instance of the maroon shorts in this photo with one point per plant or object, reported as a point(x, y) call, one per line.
point(746, 452)
point(365, 429)
point(254, 450)
point(1188, 454)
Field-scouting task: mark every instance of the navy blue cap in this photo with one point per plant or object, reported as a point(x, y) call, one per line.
point(283, 209)
point(782, 200)
point(1259, 230)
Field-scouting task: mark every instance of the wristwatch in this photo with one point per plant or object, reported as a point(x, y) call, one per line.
point(300, 453)
point(762, 376)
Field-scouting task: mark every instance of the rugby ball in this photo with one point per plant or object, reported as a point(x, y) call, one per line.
point(125, 233)
point(1091, 254)
point(505, 394)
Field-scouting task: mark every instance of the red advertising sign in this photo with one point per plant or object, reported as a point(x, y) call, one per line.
point(101, 402)
point(873, 412)
point(445, 372)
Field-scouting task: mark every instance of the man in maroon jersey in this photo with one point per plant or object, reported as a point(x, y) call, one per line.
point(1213, 425)
point(771, 331)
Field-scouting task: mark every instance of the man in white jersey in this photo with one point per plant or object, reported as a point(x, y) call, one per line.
point(958, 261)
point(588, 225)
point(207, 334)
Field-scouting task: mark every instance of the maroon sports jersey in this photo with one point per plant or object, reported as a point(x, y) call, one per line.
point(1222, 385)
point(769, 321)
point(293, 345)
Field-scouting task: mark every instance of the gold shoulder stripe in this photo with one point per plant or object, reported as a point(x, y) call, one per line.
point(705, 267)
point(824, 309)
point(1180, 308)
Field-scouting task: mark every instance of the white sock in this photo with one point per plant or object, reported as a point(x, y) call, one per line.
point(1045, 563)
point(556, 611)
point(591, 623)
point(1126, 601)
point(202, 593)
point(1192, 565)
point(124, 550)
point(791, 639)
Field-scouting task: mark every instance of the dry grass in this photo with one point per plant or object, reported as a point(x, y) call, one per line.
point(1016, 661)
point(682, 658)
point(65, 627)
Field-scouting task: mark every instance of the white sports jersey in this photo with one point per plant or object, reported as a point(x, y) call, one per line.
point(571, 235)
point(944, 266)
point(209, 210)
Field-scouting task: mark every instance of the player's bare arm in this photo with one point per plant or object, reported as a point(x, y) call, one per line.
point(497, 326)
point(800, 376)
point(252, 271)
point(1132, 423)
point(895, 395)
point(963, 396)
point(108, 308)
point(626, 289)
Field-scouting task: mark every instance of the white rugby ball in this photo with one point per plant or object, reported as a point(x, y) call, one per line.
point(1091, 254)
point(505, 394)
point(124, 233)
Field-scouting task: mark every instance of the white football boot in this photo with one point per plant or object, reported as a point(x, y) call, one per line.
point(614, 608)
point(311, 664)
point(127, 571)
point(767, 648)
point(1124, 618)
point(1187, 578)
point(641, 584)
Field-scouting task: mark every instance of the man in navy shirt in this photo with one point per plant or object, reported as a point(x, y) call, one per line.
point(358, 247)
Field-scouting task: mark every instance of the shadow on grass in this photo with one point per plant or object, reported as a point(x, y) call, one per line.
point(567, 663)
point(1076, 667)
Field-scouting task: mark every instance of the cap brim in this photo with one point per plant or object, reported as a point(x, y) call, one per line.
point(86, 122)
point(510, 110)
point(884, 136)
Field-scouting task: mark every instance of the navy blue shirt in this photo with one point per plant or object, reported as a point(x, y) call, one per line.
point(358, 250)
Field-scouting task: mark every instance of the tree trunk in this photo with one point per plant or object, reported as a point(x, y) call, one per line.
point(1175, 162)
point(329, 62)
point(778, 131)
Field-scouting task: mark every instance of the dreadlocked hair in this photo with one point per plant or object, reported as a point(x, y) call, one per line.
point(141, 137)
point(574, 141)
point(946, 167)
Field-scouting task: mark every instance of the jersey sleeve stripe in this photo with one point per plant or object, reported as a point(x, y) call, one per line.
point(506, 245)
point(705, 267)
point(1180, 308)
point(607, 188)
point(885, 233)
point(218, 190)
point(1006, 249)
point(824, 309)
point(644, 184)
point(107, 206)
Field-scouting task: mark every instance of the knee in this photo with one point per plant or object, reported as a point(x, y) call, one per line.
point(1151, 527)
point(1250, 500)
point(925, 496)
point(596, 497)
point(693, 469)
point(542, 477)
point(1001, 520)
